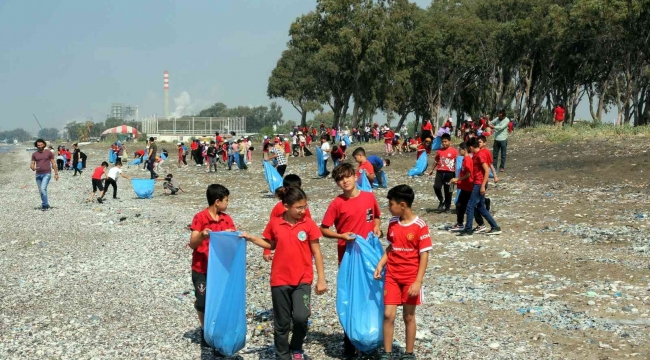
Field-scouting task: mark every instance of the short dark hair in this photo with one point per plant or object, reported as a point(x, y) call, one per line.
point(502, 111)
point(216, 192)
point(462, 146)
point(445, 136)
point(212, 142)
point(342, 170)
point(387, 161)
point(401, 193)
point(359, 151)
point(104, 163)
point(325, 137)
point(472, 142)
point(118, 163)
point(292, 180)
point(482, 138)
point(39, 141)
point(291, 195)
point(152, 139)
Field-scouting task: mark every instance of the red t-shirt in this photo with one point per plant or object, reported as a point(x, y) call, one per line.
point(292, 262)
point(287, 147)
point(407, 241)
point(448, 124)
point(278, 211)
point(219, 139)
point(446, 159)
point(140, 152)
point(422, 149)
point(388, 137)
point(483, 156)
point(355, 215)
point(559, 114)
point(194, 145)
point(367, 166)
point(427, 126)
point(338, 154)
point(203, 220)
point(98, 172)
point(466, 167)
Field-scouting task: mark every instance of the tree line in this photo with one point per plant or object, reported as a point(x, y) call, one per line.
point(469, 57)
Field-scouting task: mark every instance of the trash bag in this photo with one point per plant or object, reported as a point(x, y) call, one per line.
point(136, 161)
point(359, 297)
point(112, 156)
point(437, 143)
point(237, 160)
point(307, 152)
point(384, 180)
point(347, 140)
point(80, 165)
point(337, 138)
point(225, 298)
point(420, 166)
point(363, 183)
point(143, 188)
point(163, 156)
point(272, 176)
point(459, 165)
point(320, 161)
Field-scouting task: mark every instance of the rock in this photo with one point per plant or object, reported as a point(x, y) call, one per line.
point(494, 346)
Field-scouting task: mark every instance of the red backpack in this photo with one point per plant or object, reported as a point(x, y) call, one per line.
point(511, 127)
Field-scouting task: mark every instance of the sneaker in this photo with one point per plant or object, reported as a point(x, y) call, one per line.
point(502, 170)
point(408, 356)
point(480, 229)
point(494, 231)
point(465, 233)
point(45, 208)
point(383, 355)
point(457, 228)
point(298, 355)
point(441, 206)
point(100, 200)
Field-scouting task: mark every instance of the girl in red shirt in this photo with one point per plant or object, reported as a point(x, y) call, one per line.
point(295, 239)
point(427, 129)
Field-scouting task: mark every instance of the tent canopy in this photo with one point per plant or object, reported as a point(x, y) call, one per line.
point(123, 129)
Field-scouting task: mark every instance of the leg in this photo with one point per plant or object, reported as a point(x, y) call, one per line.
point(496, 148)
point(409, 323)
point(504, 147)
point(478, 217)
point(446, 178)
point(200, 281)
point(282, 169)
point(471, 205)
point(300, 298)
point(461, 206)
point(437, 187)
point(389, 326)
point(483, 211)
point(282, 307)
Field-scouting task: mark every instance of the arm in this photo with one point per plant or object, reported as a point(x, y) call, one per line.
point(263, 243)
point(486, 177)
point(414, 289)
point(377, 227)
point(125, 176)
point(382, 262)
point(500, 125)
point(56, 169)
point(32, 165)
point(496, 178)
point(371, 177)
point(462, 178)
point(197, 237)
point(321, 284)
point(348, 236)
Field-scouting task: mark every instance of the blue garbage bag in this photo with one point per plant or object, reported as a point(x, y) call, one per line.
point(359, 297)
point(459, 165)
point(363, 183)
point(80, 165)
point(420, 166)
point(237, 160)
point(143, 188)
point(136, 161)
point(347, 140)
point(272, 176)
point(384, 180)
point(225, 299)
point(337, 138)
point(320, 161)
point(112, 156)
point(437, 143)
point(163, 156)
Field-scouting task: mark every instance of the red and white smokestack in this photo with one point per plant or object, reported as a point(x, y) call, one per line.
point(166, 82)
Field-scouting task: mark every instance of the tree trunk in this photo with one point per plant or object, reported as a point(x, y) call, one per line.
point(303, 118)
point(416, 125)
point(619, 105)
point(355, 115)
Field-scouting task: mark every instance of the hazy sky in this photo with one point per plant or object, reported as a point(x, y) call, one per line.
point(69, 60)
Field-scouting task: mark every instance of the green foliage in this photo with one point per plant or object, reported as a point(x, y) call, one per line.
point(18, 134)
point(48, 134)
point(256, 117)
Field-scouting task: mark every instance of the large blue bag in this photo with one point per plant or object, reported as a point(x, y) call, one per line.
point(384, 180)
point(237, 160)
point(143, 188)
point(272, 176)
point(136, 161)
point(163, 156)
point(359, 297)
point(80, 165)
point(437, 143)
point(459, 165)
point(420, 165)
point(363, 183)
point(225, 299)
point(112, 156)
point(346, 138)
point(320, 161)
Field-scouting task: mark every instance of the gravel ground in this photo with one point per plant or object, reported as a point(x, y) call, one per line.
point(569, 278)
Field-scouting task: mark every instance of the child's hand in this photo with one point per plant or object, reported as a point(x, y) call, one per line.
point(349, 236)
point(453, 181)
point(321, 287)
point(414, 289)
point(205, 233)
point(246, 236)
point(482, 190)
point(268, 257)
point(378, 272)
point(431, 173)
point(377, 231)
point(496, 178)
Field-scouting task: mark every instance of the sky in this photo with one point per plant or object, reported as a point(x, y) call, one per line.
point(70, 60)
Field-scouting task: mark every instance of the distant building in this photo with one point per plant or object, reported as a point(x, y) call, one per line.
point(124, 112)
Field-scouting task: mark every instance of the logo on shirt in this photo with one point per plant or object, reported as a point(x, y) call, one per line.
point(410, 237)
point(201, 288)
point(369, 216)
point(302, 236)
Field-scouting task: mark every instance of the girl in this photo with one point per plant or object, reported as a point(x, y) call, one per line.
point(427, 129)
point(295, 239)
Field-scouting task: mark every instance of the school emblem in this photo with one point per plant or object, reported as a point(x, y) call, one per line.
point(410, 237)
point(302, 236)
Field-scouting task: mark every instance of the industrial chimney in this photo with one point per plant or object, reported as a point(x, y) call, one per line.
point(166, 78)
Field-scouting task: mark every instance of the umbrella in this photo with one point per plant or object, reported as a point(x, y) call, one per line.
point(123, 129)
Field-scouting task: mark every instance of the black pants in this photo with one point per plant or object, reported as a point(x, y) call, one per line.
point(59, 164)
point(150, 168)
point(325, 166)
point(499, 147)
point(290, 304)
point(184, 159)
point(113, 183)
point(281, 169)
point(461, 206)
point(118, 159)
point(76, 169)
point(442, 180)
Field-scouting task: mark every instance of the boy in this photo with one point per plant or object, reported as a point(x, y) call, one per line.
point(352, 213)
point(445, 171)
point(111, 180)
point(481, 172)
point(212, 156)
point(464, 182)
point(377, 166)
point(98, 181)
point(359, 155)
point(213, 218)
point(406, 258)
point(171, 184)
point(325, 148)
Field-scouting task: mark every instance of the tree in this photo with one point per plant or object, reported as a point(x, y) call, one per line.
point(18, 134)
point(48, 134)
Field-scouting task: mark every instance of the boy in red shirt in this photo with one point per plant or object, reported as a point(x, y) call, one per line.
point(445, 171)
point(99, 174)
point(359, 155)
point(388, 141)
point(213, 218)
point(464, 182)
point(295, 239)
point(558, 115)
point(352, 213)
point(406, 258)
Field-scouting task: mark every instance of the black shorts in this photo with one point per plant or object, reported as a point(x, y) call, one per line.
point(98, 185)
point(200, 282)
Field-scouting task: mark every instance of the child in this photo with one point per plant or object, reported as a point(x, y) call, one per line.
point(213, 218)
point(424, 148)
point(464, 182)
point(212, 156)
point(445, 171)
point(277, 152)
point(377, 165)
point(111, 180)
point(325, 148)
point(171, 184)
point(98, 181)
point(481, 172)
point(359, 155)
point(337, 155)
point(352, 213)
point(291, 180)
point(406, 262)
point(295, 239)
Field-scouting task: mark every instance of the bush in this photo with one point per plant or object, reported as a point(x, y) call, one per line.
point(581, 131)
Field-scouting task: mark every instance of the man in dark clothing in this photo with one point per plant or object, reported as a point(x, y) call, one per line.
point(76, 157)
point(153, 148)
